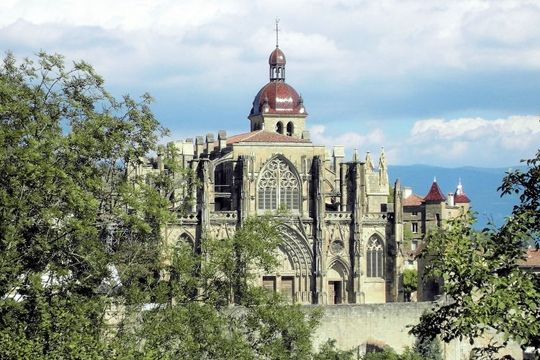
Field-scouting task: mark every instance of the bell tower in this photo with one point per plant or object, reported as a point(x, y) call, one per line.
point(278, 107)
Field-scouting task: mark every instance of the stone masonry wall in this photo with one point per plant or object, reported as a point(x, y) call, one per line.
point(354, 326)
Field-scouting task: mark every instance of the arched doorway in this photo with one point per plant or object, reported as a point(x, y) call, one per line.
point(292, 278)
point(336, 278)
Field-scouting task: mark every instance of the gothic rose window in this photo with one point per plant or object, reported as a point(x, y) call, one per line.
point(375, 257)
point(278, 187)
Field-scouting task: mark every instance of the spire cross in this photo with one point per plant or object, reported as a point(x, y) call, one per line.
point(277, 32)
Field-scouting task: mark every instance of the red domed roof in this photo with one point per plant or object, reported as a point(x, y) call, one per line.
point(459, 196)
point(278, 97)
point(461, 199)
point(277, 57)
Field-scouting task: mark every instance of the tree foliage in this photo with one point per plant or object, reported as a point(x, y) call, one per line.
point(487, 290)
point(64, 146)
point(194, 317)
point(428, 348)
point(387, 353)
point(84, 271)
point(410, 282)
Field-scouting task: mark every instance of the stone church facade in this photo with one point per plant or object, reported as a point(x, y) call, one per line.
point(341, 234)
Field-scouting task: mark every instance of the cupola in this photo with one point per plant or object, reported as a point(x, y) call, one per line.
point(278, 107)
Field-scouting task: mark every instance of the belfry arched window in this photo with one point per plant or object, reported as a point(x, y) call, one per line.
point(375, 257)
point(279, 127)
point(278, 187)
point(290, 128)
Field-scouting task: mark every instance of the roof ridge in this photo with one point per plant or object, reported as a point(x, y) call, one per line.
point(252, 134)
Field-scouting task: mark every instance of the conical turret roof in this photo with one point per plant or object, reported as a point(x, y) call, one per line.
point(435, 194)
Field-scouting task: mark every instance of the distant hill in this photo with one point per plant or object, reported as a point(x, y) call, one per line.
point(480, 185)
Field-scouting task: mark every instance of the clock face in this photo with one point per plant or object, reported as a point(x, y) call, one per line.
point(336, 246)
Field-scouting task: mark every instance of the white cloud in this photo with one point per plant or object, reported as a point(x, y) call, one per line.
point(369, 141)
point(216, 47)
point(454, 142)
point(471, 141)
point(515, 132)
point(329, 40)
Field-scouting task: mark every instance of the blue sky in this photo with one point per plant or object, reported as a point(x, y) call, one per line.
point(448, 83)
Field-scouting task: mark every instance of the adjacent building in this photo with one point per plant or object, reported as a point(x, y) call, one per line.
point(422, 214)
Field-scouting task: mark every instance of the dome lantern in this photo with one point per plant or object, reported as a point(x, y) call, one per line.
point(277, 60)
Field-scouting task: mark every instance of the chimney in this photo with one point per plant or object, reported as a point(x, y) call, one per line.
point(450, 199)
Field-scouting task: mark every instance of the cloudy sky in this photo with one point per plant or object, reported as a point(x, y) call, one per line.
point(450, 83)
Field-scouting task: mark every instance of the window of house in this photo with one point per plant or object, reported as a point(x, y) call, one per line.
point(414, 244)
point(375, 257)
point(278, 187)
point(414, 227)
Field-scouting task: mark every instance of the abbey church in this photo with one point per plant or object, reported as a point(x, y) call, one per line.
point(342, 222)
point(341, 234)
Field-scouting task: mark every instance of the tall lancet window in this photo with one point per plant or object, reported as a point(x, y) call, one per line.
point(375, 258)
point(278, 187)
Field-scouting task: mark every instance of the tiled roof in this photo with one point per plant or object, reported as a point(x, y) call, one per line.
point(413, 200)
point(461, 199)
point(264, 136)
point(459, 196)
point(532, 260)
point(435, 194)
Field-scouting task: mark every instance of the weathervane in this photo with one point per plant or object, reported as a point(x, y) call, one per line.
point(277, 32)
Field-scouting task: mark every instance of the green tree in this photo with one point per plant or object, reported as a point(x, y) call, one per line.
point(328, 351)
point(388, 353)
point(83, 268)
point(487, 290)
point(65, 143)
point(195, 317)
point(410, 282)
point(428, 348)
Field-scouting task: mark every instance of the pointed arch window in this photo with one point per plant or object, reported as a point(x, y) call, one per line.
point(278, 187)
point(375, 257)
